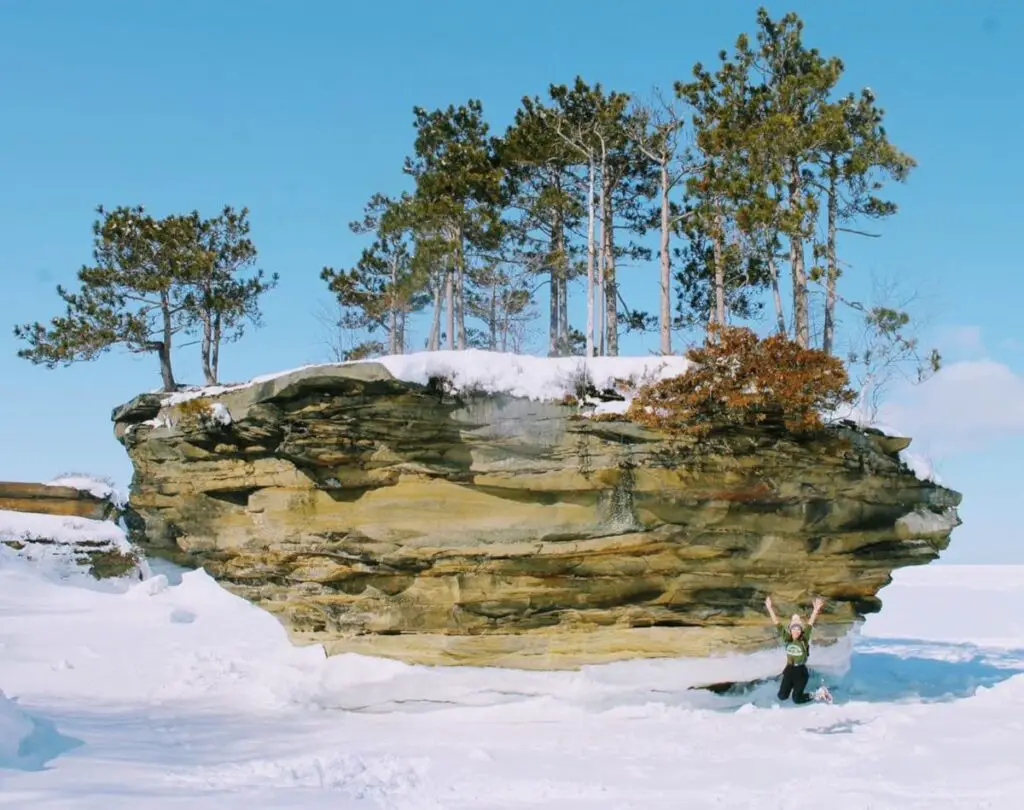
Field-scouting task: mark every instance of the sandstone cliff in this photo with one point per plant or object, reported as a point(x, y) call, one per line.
point(389, 518)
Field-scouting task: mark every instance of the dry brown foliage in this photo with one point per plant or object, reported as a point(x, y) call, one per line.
point(194, 409)
point(739, 379)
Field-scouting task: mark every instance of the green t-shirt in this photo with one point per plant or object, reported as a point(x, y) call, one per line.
point(797, 650)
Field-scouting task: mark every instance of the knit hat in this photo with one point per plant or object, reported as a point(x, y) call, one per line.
point(796, 622)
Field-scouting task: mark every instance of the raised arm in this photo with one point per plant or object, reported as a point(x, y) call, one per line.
point(818, 604)
point(771, 610)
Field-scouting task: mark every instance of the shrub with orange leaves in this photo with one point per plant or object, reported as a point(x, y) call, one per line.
point(739, 379)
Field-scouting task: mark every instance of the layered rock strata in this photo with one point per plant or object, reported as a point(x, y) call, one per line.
point(382, 517)
point(44, 499)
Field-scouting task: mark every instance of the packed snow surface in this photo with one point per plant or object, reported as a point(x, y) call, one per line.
point(171, 693)
point(518, 375)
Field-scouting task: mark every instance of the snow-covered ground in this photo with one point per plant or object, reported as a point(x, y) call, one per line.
point(171, 693)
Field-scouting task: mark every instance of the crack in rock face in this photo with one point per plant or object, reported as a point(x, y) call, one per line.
point(382, 517)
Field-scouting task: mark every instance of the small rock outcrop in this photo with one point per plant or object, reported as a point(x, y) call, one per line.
point(388, 518)
point(67, 525)
point(46, 499)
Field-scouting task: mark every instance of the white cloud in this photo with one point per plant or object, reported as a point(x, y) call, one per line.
point(966, 406)
point(962, 342)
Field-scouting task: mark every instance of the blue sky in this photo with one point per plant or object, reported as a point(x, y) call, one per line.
point(302, 110)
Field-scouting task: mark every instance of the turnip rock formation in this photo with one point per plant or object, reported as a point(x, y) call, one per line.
point(391, 518)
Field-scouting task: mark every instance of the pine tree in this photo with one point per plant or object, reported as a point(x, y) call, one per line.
point(458, 196)
point(502, 299)
point(628, 176)
point(546, 193)
point(855, 160)
point(760, 214)
point(657, 129)
point(718, 101)
point(755, 178)
point(136, 293)
point(595, 125)
point(387, 283)
point(706, 273)
point(220, 300)
point(580, 117)
point(797, 85)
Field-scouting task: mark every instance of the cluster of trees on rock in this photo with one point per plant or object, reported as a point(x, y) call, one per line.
point(748, 169)
point(749, 173)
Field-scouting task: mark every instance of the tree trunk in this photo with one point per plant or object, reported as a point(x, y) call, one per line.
point(832, 271)
point(400, 329)
point(163, 347)
point(666, 266)
point(449, 302)
point(602, 257)
point(590, 264)
point(393, 311)
point(206, 348)
point(558, 272)
point(434, 341)
point(461, 298)
point(780, 317)
point(561, 277)
point(611, 294)
point(563, 309)
point(719, 267)
point(392, 332)
point(215, 351)
point(492, 338)
point(801, 325)
point(554, 290)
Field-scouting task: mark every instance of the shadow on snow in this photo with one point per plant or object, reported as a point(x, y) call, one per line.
point(42, 745)
point(898, 670)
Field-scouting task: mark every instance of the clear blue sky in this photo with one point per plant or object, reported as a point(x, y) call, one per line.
point(302, 110)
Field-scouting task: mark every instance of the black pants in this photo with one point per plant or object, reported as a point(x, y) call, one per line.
point(794, 679)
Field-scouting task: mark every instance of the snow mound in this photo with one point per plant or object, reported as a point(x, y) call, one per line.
point(64, 547)
point(29, 526)
point(97, 487)
point(517, 375)
point(220, 414)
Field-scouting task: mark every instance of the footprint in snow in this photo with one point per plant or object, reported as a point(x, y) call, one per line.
point(179, 616)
